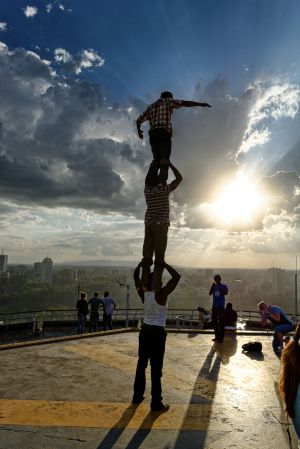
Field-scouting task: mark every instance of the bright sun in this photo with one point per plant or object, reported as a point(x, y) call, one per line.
point(240, 202)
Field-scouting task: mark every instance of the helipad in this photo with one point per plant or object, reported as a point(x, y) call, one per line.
point(77, 394)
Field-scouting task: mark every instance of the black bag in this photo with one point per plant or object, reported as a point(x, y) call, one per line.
point(252, 346)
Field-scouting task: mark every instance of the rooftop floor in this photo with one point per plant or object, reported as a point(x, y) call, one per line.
point(77, 394)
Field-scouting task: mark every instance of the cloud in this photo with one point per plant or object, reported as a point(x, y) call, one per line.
point(85, 59)
point(49, 152)
point(65, 147)
point(3, 26)
point(59, 6)
point(30, 11)
point(272, 103)
point(62, 55)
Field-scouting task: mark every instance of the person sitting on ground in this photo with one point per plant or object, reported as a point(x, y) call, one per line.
point(282, 324)
point(230, 316)
point(289, 380)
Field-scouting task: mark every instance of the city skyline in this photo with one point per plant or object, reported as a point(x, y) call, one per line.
point(73, 79)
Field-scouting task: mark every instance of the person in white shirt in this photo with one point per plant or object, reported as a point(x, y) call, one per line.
point(152, 337)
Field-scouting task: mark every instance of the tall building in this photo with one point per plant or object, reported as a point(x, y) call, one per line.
point(46, 274)
point(3, 262)
point(277, 278)
point(37, 268)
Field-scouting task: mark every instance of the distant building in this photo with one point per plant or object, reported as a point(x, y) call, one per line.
point(37, 268)
point(4, 282)
point(46, 273)
point(277, 278)
point(3, 263)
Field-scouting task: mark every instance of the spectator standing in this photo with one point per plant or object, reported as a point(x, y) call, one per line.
point(109, 306)
point(95, 303)
point(82, 311)
point(218, 291)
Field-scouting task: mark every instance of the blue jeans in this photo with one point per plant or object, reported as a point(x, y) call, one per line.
point(281, 329)
point(81, 323)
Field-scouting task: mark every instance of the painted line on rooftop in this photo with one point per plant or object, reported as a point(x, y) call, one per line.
point(107, 415)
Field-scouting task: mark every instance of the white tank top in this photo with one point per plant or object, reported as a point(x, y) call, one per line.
point(155, 314)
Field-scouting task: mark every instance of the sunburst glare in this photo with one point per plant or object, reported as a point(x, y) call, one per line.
point(241, 201)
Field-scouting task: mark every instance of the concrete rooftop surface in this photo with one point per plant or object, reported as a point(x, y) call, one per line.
point(77, 395)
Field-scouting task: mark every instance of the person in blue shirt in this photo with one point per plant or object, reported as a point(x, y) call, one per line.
point(282, 324)
point(218, 291)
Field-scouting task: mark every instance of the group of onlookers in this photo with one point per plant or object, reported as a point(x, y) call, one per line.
point(91, 307)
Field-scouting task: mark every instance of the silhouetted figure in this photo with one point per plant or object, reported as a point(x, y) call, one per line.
point(159, 116)
point(157, 222)
point(109, 306)
point(289, 381)
point(95, 303)
point(152, 337)
point(82, 311)
point(230, 316)
point(218, 290)
point(282, 324)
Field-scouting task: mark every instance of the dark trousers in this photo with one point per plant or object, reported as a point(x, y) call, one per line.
point(107, 321)
point(81, 323)
point(218, 315)
point(152, 341)
point(161, 145)
point(94, 319)
point(155, 242)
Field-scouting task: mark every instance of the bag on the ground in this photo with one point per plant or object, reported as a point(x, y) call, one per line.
point(252, 346)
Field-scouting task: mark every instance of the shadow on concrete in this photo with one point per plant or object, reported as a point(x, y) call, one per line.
point(203, 393)
point(116, 431)
point(144, 430)
point(259, 356)
point(192, 334)
point(227, 349)
point(140, 435)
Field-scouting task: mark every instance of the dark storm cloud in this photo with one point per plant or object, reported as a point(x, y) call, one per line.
point(46, 154)
point(63, 144)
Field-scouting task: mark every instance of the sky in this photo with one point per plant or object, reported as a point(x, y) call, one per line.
point(75, 75)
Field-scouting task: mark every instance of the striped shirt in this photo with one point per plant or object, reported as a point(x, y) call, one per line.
point(158, 208)
point(159, 113)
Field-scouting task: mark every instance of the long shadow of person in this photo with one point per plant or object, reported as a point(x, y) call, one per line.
point(144, 430)
point(116, 431)
point(202, 395)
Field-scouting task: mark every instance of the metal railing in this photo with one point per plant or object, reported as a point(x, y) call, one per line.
point(130, 317)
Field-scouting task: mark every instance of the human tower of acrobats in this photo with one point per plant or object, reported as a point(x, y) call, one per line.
point(154, 296)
